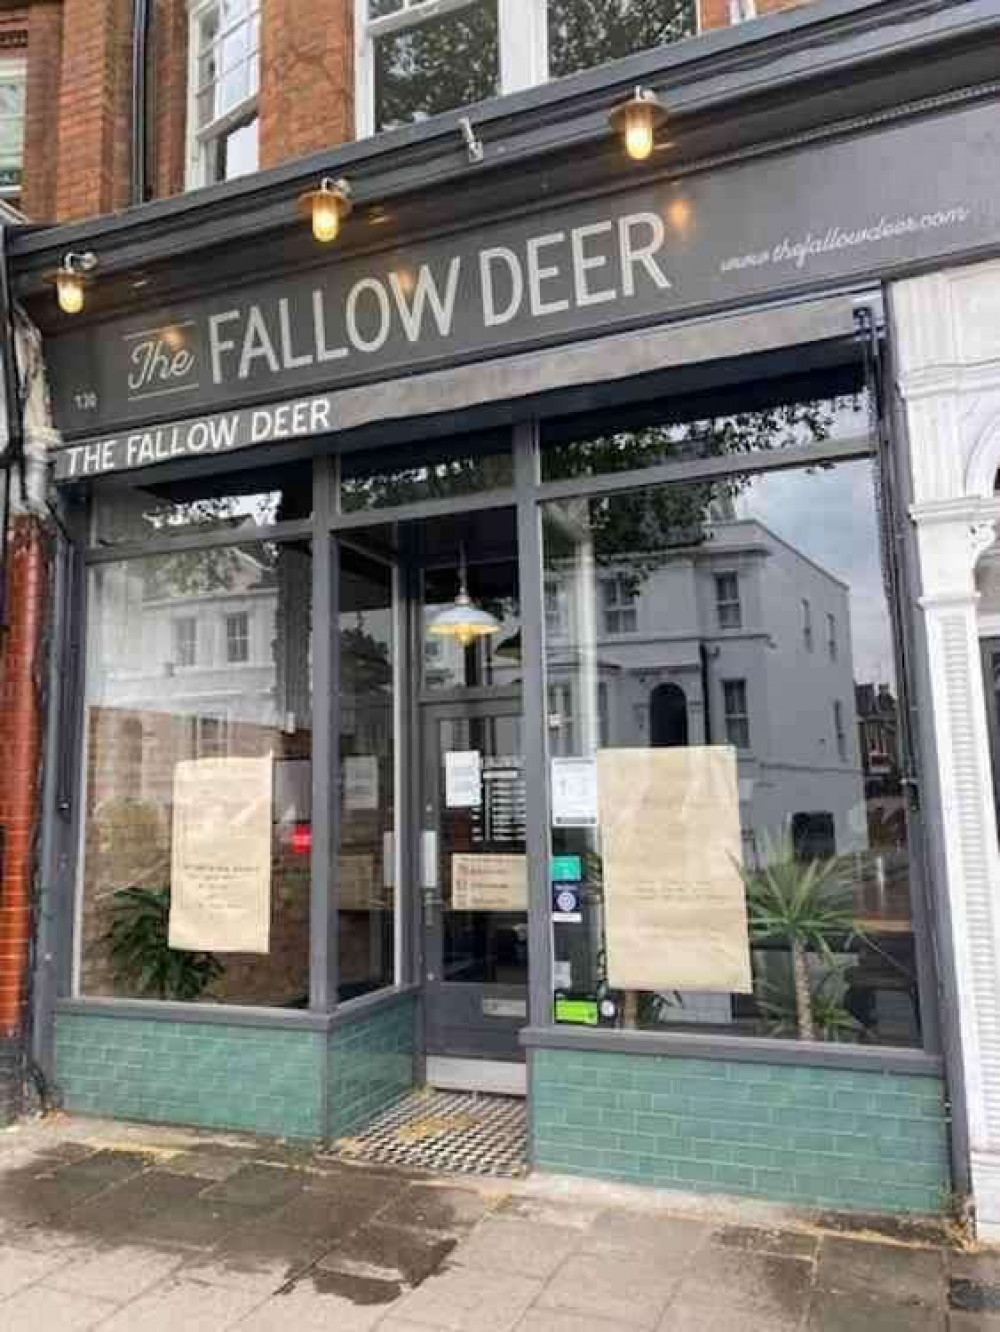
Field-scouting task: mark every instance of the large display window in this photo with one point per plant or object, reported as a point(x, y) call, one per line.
point(729, 824)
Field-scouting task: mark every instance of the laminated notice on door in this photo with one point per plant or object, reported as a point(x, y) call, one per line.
point(463, 779)
point(489, 883)
point(220, 868)
point(674, 904)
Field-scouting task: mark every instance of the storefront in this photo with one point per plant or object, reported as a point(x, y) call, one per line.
point(490, 648)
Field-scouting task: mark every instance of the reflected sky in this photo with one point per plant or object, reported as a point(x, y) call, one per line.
point(829, 515)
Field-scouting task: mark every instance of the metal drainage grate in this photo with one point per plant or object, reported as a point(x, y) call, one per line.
point(464, 1132)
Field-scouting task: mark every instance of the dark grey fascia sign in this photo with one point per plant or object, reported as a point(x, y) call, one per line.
point(917, 191)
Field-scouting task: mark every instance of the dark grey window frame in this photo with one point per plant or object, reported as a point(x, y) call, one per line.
point(327, 527)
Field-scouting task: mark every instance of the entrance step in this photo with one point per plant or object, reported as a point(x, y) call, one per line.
point(466, 1133)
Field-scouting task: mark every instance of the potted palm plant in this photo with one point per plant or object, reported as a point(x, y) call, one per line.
point(807, 905)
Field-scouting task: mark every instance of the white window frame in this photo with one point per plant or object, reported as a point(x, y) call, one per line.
point(838, 730)
point(624, 603)
point(739, 718)
point(177, 623)
point(524, 39)
point(523, 28)
point(14, 69)
point(244, 638)
point(726, 604)
point(200, 142)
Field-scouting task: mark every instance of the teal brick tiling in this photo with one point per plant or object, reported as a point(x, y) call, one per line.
point(251, 1079)
point(371, 1065)
point(846, 1139)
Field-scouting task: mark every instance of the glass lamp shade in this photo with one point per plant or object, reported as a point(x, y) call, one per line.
point(69, 291)
point(463, 621)
point(637, 121)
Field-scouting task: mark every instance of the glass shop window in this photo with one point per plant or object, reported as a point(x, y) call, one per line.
point(364, 875)
point(196, 867)
point(387, 478)
point(234, 502)
point(225, 80)
point(13, 86)
point(700, 794)
point(764, 417)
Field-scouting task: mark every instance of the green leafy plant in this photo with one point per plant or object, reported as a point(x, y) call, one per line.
point(830, 1019)
point(141, 954)
point(807, 905)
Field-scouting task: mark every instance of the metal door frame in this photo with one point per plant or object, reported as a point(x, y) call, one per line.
point(502, 701)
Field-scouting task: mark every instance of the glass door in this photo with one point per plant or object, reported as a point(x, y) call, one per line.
point(474, 878)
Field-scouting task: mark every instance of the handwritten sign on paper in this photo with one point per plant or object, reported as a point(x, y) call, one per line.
point(674, 904)
point(220, 879)
point(489, 883)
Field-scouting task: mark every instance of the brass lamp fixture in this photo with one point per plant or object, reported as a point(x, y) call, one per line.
point(463, 620)
point(326, 207)
point(70, 280)
point(637, 121)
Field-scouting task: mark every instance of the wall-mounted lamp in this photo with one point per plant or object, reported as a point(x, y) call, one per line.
point(326, 207)
point(637, 121)
point(71, 278)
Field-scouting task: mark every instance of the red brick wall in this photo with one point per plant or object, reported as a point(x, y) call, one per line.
point(41, 132)
point(21, 671)
point(94, 108)
point(307, 78)
point(715, 13)
point(168, 75)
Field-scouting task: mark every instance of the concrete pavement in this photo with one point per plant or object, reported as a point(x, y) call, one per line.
point(138, 1229)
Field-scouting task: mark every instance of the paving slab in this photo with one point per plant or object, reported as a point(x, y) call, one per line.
point(687, 1317)
point(20, 1267)
point(303, 1309)
point(550, 1320)
point(182, 1306)
point(666, 1241)
point(261, 1187)
point(466, 1299)
point(438, 1207)
point(401, 1254)
point(42, 1309)
point(530, 1248)
point(888, 1272)
point(834, 1313)
point(755, 1239)
point(759, 1283)
point(612, 1287)
point(116, 1275)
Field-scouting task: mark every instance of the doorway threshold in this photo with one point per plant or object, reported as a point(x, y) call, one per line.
point(464, 1133)
point(497, 1077)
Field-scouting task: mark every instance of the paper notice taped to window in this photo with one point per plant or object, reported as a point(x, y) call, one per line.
point(674, 902)
point(489, 883)
point(220, 869)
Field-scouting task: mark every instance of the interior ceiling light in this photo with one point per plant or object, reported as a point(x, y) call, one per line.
point(326, 207)
point(637, 121)
point(463, 620)
point(70, 280)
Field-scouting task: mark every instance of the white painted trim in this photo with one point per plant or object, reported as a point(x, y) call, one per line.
point(492, 1076)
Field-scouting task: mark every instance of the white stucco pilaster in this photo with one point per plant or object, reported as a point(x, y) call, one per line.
point(946, 330)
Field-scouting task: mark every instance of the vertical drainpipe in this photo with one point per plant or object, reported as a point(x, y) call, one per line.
point(140, 99)
point(22, 588)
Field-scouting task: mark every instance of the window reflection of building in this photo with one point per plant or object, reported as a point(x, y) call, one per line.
point(753, 682)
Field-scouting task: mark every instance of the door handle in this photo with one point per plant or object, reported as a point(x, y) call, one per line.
point(428, 860)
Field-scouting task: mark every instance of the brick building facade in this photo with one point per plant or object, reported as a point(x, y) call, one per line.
point(76, 60)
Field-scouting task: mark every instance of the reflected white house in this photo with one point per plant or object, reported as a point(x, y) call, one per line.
point(738, 639)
